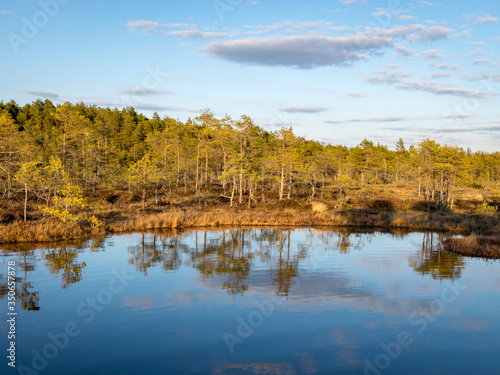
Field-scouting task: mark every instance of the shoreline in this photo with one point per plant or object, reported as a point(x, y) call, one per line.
point(52, 230)
point(478, 247)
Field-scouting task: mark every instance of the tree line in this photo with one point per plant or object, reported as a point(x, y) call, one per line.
point(59, 153)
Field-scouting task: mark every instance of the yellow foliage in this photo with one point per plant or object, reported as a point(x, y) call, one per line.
point(69, 195)
point(95, 224)
point(61, 215)
point(485, 208)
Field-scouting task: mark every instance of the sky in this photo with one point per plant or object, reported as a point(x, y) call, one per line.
point(337, 71)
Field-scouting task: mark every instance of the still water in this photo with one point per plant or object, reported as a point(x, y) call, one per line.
point(253, 301)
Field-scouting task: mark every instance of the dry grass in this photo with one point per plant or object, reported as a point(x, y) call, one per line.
point(487, 247)
point(173, 218)
point(43, 231)
point(319, 207)
point(374, 207)
point(213, 217)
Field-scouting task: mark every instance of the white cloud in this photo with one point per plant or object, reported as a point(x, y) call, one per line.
point(440, 89)
point(447, 66)
point(432, 33)
point(381, 119)
point(488, 77)
point(432, 54)
point(381, 12)
point(288, 26)
point(43, 94)
point(403, 51)
point(476, 43)
point(485, 19)
point(413, 33)
point(142, 91)
point(144, 26)
point(463, 34)
point(186, 31)
point(482, 61)
point(475, 51)
point(386, 76)
point(298, 51)
point(396, 79)
point(405, 17)
point(196, 34)
point(303, 109)
point(436, 75)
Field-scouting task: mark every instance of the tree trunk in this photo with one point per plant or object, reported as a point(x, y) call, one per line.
point(419, 182)
point(441, 191)
point(224, 181)
point(25, 200)
point(178, 162)
point(249, 193)
point(289, 182)
point(232, 192)
point(64, 143)
point(262, 181)
point(206, 164)
point(197, 164)
point(241, 171)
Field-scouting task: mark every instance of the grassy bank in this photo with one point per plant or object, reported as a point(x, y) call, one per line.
point(195, 217)
point(485, 247)
point(383, 206)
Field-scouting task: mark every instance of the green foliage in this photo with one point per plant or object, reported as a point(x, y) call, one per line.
point(68, 195)
point(144, 172)
point(53, 151)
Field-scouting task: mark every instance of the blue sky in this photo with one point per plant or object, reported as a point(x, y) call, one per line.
point(337, 71)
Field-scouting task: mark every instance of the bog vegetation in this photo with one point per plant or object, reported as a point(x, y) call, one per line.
point(85, 166)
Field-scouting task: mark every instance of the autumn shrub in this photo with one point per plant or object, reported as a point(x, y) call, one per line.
point(486, 208)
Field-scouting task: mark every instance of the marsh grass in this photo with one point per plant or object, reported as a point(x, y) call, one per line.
point(390, 207)
point(487, 247)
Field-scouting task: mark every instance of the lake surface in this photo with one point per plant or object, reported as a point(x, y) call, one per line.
point(253, 301)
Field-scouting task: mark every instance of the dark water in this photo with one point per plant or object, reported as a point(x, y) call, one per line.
point(253, 301)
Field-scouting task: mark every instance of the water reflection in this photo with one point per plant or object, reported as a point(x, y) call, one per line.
point(227, 257)
point(433, 260)
point(64, 262)
point(296, 301)
point(28, 297)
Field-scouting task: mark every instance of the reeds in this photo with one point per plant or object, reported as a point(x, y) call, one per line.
point(129, 217)
point(487, 247)
point(43, 231)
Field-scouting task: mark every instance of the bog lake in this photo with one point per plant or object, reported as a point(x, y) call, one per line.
point(252, 301)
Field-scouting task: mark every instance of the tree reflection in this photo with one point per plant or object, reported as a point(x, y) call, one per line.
point(287, 268)
point(170, 251)
point(235, 266)
point(29, 299)
point(432, 260)
point(231, 257)
point(65, 261)
point(145, 255)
